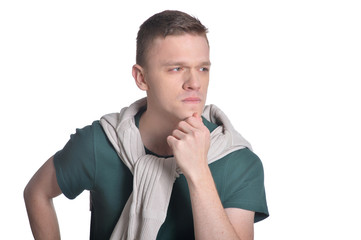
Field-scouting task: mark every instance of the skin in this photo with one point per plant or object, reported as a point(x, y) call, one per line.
point(38, 196)
point(176, 81)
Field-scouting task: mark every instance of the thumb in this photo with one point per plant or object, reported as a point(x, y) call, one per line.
point(196, 115)
point(170, 140)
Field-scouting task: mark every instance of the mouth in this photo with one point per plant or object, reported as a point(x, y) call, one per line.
point(191, 100)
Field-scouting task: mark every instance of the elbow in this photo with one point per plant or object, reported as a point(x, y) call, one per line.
point(33, 197)
point(27, 197)
point(27, 193)
point(30, 193)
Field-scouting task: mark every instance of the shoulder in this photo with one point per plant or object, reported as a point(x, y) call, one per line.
point(84, 138)
point(242, 159)
point(88, 133)
point(89, 142)
point(80, 141)
point(244, 168)
point(88, 130)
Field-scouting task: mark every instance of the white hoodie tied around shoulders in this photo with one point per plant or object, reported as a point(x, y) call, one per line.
point(153, 177)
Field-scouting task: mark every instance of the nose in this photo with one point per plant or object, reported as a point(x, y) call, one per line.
point(192, 81)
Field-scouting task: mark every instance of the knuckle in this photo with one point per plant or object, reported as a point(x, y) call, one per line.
point(197, 134)
point(180, 124)
point(187, 137)
point(175, 132)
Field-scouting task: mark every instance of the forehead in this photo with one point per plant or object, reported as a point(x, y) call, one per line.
point(179, 48)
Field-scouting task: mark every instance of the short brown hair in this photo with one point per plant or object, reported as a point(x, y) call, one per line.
point(163, 24)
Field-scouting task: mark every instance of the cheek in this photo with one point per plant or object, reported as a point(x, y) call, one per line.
point(163, 91)
point(165, 85)
point(205, 82)
point(170, 85)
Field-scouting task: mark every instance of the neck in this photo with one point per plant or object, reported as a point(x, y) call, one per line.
point(154, 130)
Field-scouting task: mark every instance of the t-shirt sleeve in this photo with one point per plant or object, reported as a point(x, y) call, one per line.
point(75, 163)
point(244, 184)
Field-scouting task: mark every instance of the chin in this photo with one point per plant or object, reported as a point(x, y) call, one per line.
point(184, 112)
point(188, 114)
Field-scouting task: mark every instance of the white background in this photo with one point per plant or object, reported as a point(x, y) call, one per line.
point(286, 72)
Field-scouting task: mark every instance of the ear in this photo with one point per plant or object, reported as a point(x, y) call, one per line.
point(139, 77)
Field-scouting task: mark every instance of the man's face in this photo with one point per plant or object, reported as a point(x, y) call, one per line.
point(177, 75)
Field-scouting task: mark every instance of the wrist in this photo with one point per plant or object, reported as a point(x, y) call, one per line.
point(200, 177)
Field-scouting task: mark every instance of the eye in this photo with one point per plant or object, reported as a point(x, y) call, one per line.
point(204, 69)
point(176, 69)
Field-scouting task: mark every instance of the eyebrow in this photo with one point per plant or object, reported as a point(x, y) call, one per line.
point(205, 63)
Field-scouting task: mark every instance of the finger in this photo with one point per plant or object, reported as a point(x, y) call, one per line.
point(199, 117)
point(195, 121)
point(171, 140)
point(185, 127)
point(195, 115)
point(178, 134)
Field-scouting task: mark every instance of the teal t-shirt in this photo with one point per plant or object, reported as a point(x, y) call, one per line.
point(89, 162)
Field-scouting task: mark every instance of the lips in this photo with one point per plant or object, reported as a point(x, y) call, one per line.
point(191, 100)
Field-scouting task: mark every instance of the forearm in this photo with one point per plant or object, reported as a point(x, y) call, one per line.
point(42, 216)
point(209, 216)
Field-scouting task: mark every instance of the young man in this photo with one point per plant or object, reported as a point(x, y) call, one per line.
point(166, 167)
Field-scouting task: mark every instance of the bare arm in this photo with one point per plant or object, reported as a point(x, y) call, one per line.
point(38, 196)
point(211, 220)
point(190, 144)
